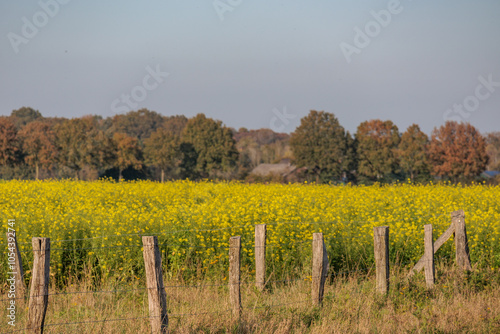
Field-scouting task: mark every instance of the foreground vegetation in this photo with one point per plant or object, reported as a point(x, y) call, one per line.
point(460, 303)
point(95, 230)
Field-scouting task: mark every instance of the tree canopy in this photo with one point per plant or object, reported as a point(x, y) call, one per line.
point(321, 144)
point(412, 152)
point(162, 149)
point(457, 151)
point(377, 142)
point(213, 143)
point(39, 145)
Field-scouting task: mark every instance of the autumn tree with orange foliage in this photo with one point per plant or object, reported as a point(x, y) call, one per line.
point(39, 145)
point(412, 152)
point(493, 150)
point(9, 149)
point(457, 151)
point(377, 142)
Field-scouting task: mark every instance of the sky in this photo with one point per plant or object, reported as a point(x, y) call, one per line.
point(255, 64)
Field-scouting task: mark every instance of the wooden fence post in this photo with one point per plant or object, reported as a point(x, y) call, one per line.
point(381, 248)
point(39, 293)
point(234, 275)
point(429, 256)
point(17, 271)
point(319, 268)
point(154, 281)
point(260, 256)
point(461, 243)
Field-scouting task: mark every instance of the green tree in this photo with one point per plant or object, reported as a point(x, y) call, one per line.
point(127, 152)
point(377, 142)
point(412, 152)
point(213, 143)
point(321, 144)
point(39, 145)
point(162, 149)
point(457, 151)
point(25, 115)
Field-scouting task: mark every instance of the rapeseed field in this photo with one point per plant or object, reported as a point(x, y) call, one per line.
point(96, 226)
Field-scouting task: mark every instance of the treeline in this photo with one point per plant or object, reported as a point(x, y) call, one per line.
point(144, 144)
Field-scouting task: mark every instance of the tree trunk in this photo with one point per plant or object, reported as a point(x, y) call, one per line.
point(36, 171)
point(162, 175)
point(119, 174)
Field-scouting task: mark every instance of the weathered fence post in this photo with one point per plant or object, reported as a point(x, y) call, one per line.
point(319, 268)
point(260, 256)
point(461, 243)
point(17, 272)
point(234, 275)
point(381, 248)
point(154, 282)
point(429, 256)
point(39, 293)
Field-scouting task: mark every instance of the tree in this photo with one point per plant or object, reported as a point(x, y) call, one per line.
point(457, 151)
point(39, 145)
point(175, 124)
point(9, 146)
point(412, 152)
point(493, 150)
point(127, 152)
point(99, 150)
point(162, 149)
point(321, 144)
point(213, 143)
point(82, 142)
point(377, 142)
point(25, 115)
point(139, 124)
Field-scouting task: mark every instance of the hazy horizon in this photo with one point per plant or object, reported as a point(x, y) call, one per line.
point(255, 64)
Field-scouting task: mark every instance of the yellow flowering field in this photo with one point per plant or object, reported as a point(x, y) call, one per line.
point(194, 221)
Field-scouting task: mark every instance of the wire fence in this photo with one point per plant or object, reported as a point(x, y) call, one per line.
point(330, 274)
point(173, 315)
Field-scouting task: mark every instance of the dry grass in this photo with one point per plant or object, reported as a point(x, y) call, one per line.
point(460, 303)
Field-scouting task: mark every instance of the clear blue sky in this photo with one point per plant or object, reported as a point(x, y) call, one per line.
point(249, 62)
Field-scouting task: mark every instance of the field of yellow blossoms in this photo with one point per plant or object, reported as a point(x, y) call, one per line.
point(97, 225)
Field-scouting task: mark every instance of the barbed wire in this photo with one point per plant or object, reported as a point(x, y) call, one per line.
point(173, 315)
point(82, 323)
point(185, 286)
